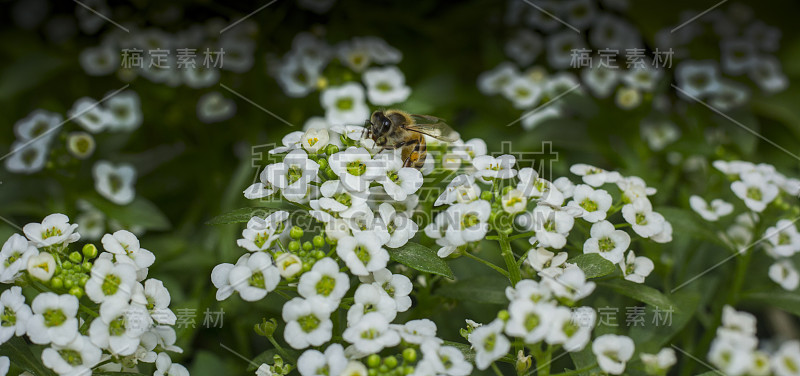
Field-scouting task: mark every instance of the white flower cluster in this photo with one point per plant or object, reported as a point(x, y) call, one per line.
point(746, 46)
point(542, 208)
point(308, 67)
point(760, 187)
point(132, 322)
point(735, 349)
point(121, 112)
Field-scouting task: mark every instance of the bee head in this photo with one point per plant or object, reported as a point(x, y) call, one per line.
point(380, 123)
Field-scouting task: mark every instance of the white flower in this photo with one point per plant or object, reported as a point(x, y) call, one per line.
point(120, 326)
point(445, 360)
point(529, 289)
point(738, 322)
point(325, 281)
point(644, 221)
point(785, 274)
point(540, 259)
point(755, 191)
point(659, 363)
point(100, 60)
point(607, 241)
point(783, 238)
point(767, 74)
point(165, 367)
point(53, 319)
point(315, 139)
point(397, 181)
point(489, 168)
point(560, 45)
point(371, 334)
point(90, 115)
point(125, 247)
point(344, 104)
point(529, 321)
point(371, 298)
point(551, 226)
point(523, 92)
point(571, 328)
point(125, 110)
point(533, 186)
point(213, 107)
point(659, 134)
point(612, 352)
point(514, 201)
point(110, 281)
point(665, 236)
point(563, 185)
point(697, 78)
point(397, 286)
point(355, 368)
point(731, 358)
point(493, 81)
point(524, 47)
point(315, 363)
point(42, 266)
point(362, 253)
point(338, 199)
point(75, 358)
point(155, 297)
point(14, 257)
point(293, 175)
point(115, 182)
point(261, 233)
point(417, 331)
point(39, 125)
point(355, 168)
point(220, 277)
point(601, 79)
point(489, 343)
point(786, 362)
point(254, 278)
point(399, 226)
point(593, 204)
point(296, 78)
point(385, 86)
point(55, 229)
point(594, 176)
point(27, 157)
point(308, 322)
point(262, 188)
point(462, 189)
point(467, 222)
point(289, 265)
point(291, 141)
point(5, 364)
point(14, 314)
point(718, 208)
point(571, 285)
point(636, 269)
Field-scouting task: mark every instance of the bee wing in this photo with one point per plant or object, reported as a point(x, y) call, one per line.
point(434, 127)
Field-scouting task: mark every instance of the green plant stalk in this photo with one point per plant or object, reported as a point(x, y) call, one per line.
point(487, 263)
point(514, 273)
point(280, 349)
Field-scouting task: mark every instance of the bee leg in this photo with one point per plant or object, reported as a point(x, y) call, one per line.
point(417, 149)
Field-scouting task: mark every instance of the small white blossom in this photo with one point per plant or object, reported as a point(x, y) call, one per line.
point(115, 183)
point(315, 363)
point(755, 191)
point(385, 86)
point(109, 281)
point(262, 233)
point(55, 230)
point(636, 269)
point(14, 256)
point(594, 176)
point(644, 221)
point(371, 334)
point(53, 319)
point(785, 274)
point(786, 361)
point(293, 175)
point(344, 104)
point(75, 358)
point(489, 168)
point(14, 314)
point(710, 212)
point(371, 298)
point(355, 168)
point(613, 352)
point(607, 241)
point(90, 115)
point(326, 281)
point(289, 265)
point(308, 322)
point(489, 343)
point(362, 253)
point(592, 203)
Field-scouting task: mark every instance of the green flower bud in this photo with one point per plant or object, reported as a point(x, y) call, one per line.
point(373, 361)
point(486, 195)
point(319, 255)
point(331, 149)
point(66, 265)
point(56, 283)
point(83, 280)
point(329, 173)
point(408, 370)
point(69, 283)
point(390, 362)
point(296, 232)
point(75, 257)
point(266, 328)
point(503, 315)
point(294, 246)
point(410, 355)
point(307, 246)
point(76, 291)
point(90, 251)
point(86, 266)
point(323, 163)
point(318, 241)
point(306, 266)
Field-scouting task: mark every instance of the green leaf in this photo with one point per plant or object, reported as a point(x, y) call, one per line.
point(419, 257)
point(20, 354)
point(685, 222)
point(486, 289)
point(593, 265)
point(655, 333)
point(140, 212)
point(784, 300)
point(640, 292)
point(240, 215)
point(27, 72)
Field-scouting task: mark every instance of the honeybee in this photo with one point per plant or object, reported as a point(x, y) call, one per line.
point(395, 129)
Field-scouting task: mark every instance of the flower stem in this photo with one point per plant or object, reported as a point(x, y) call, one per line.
point(577, 371)
point(487, 263)
point(280, 349)
point(496, 370)
point(514, 273)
